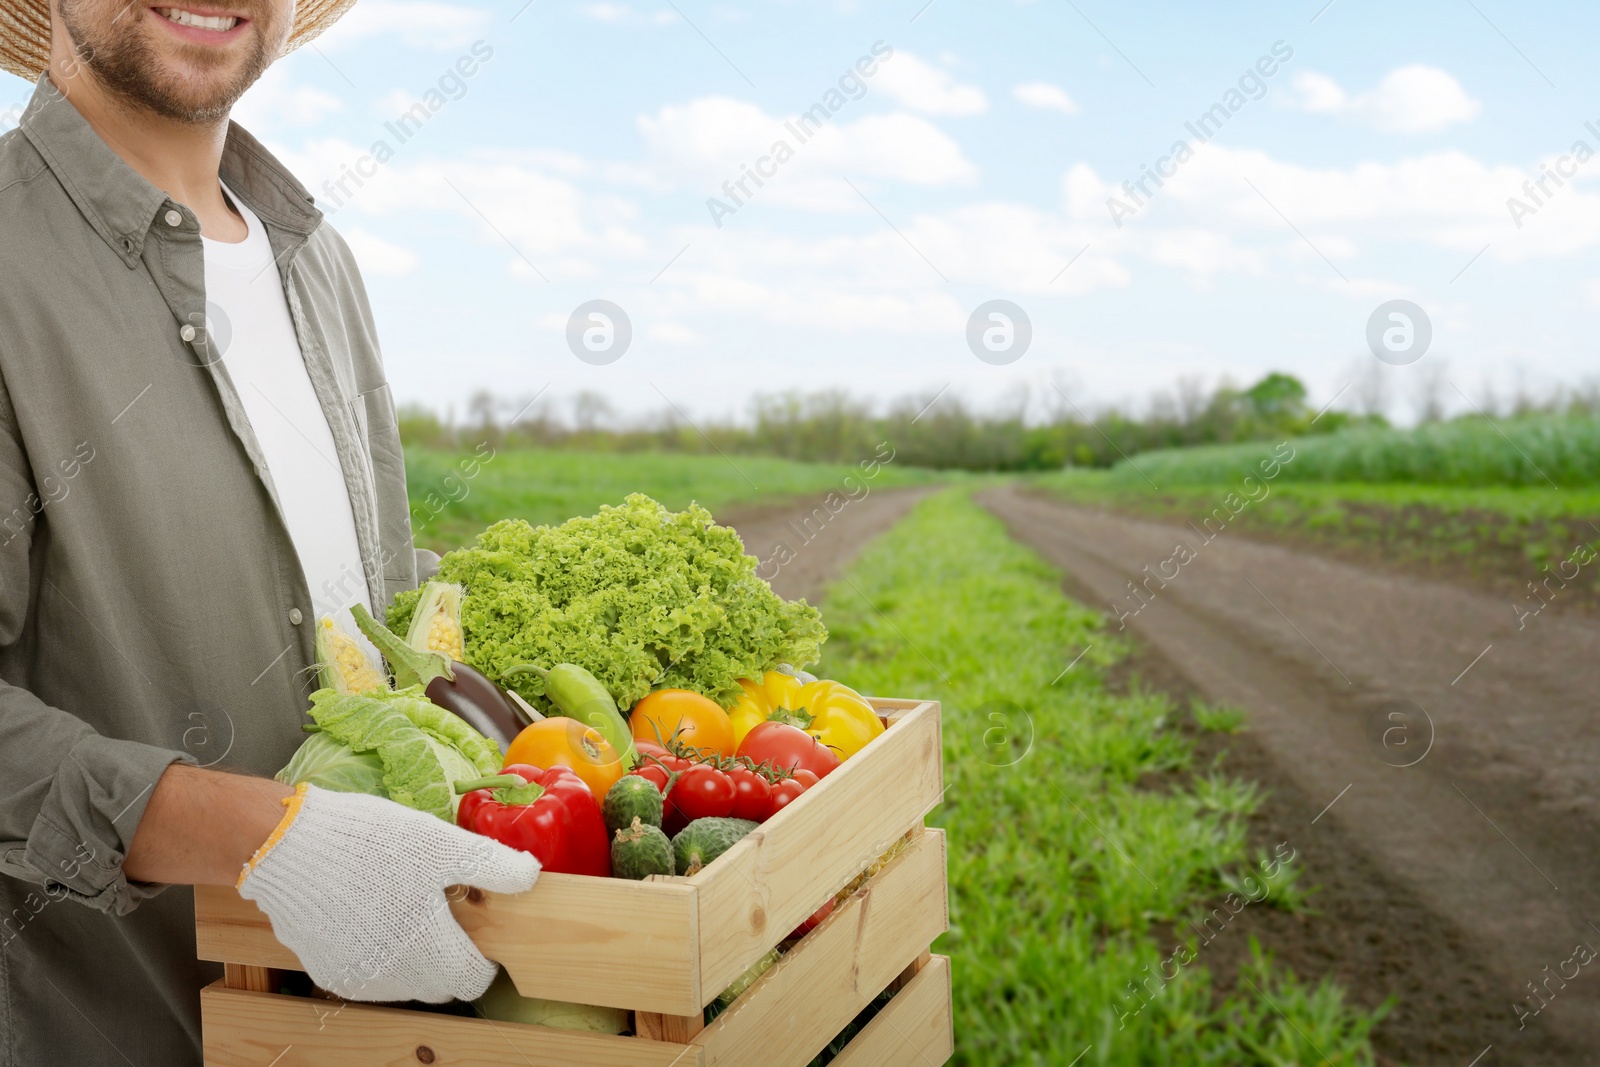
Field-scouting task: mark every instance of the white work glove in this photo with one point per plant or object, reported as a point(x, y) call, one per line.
point(354, 886)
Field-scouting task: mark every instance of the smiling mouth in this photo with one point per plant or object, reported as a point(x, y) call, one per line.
point(215, 23)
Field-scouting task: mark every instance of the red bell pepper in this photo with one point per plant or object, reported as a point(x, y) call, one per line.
point(548, 813)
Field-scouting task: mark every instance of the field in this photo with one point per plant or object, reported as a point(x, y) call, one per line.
point(1082, 903)
point(1490, 520)
point(456, 494)
point(1545, 451)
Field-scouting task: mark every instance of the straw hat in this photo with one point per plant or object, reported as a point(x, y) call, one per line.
point(25, 31)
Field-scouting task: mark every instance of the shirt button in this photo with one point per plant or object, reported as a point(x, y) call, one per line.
point(295, 616)
point(187, 333)
point(174, 218)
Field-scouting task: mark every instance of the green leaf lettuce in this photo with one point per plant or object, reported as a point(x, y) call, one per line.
point(643, 597)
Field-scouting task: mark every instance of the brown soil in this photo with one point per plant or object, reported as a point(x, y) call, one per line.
point(1482, 550)
point(803, 546)
point(1439, 879)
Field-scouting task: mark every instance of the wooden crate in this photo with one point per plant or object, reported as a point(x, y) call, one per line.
point(582, 940)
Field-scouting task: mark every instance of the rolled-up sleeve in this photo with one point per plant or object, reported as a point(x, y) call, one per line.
point(84, 810)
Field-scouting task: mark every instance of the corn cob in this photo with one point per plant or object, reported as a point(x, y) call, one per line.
point(343, 665)
point(436, 626)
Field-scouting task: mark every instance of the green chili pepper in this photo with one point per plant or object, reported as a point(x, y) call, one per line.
point(577, 694)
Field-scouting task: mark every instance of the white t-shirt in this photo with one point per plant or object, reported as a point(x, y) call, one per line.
point(248, 321)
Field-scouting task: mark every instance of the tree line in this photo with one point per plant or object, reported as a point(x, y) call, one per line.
point(1024, 433)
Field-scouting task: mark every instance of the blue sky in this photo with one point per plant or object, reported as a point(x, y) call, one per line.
point(576, 163)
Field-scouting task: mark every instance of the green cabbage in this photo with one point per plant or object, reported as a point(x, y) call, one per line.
point(502, 1003)
point(330, 764)
point(398, 745)
point(642, 597)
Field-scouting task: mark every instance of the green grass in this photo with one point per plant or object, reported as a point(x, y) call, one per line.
point(1546, 451)
point(1063, 870)
point(454, 495)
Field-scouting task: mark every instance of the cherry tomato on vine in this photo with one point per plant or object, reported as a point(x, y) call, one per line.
point(752, 794)
point(703, 792)
point(655, 774)
point(647, 749)
point(784, 793)
point(805, 777)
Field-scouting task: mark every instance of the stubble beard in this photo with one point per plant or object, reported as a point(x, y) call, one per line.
point(128, 65)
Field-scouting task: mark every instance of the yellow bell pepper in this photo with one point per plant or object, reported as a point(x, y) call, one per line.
point(749, 711)
point(841, 718)
point(834, 714)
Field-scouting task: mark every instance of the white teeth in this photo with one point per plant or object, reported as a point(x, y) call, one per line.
point(185, 18)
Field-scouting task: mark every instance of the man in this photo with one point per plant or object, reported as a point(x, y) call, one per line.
point(198, 459)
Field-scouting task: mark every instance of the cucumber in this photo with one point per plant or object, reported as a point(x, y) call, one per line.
point(704, 840)
point(632, 798)
point(640, 851)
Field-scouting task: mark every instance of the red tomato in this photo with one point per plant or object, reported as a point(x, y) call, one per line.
point(784, 793)
point(788, 747)
point(702, 792)
point(805, 777)
point(648, 749)
point(655, 773)
point(812, 923)
point(752, 795)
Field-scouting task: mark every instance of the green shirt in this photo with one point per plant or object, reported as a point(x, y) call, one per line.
point(152, 605)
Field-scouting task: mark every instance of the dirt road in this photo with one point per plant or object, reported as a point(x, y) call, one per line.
point(803, 544)
point(1460, 755)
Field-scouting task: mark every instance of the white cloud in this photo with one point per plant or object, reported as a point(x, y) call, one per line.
point(1447, 199)
point(377, 256)
point(425, 24)
point(622, 14)
point(1046, 97)
point(1411, 99)
point(1203, 253)
point(672, 333)
point(924, 87)
point(707, 142)
point(499, 197)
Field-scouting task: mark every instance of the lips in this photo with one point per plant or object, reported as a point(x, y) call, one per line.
point(208, 25)
point(220, 23)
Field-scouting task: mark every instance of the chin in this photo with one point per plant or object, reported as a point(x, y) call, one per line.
point(189, 63)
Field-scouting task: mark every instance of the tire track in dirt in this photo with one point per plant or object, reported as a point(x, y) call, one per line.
point(1491, 831)
point(803, 544)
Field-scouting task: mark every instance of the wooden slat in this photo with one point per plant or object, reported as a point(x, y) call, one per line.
point(582, 940)
point(569, 938)
point(819, 986)
point(244, 1029)
point(231, 929)
point(764, 886)
point(915, 1029)
point(893, 708)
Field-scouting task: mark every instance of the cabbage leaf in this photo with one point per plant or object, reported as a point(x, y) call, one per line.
point(399, 745)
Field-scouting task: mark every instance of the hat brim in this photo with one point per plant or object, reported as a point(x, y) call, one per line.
point(25, 31)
